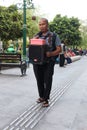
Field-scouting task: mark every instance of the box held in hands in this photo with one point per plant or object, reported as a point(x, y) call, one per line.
point(37, 51)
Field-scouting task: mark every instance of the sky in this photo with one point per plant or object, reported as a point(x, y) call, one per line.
point(69, 8)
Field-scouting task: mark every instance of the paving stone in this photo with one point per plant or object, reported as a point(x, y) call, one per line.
point(69, 112)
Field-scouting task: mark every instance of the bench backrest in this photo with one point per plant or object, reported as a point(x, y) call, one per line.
point(10, 56)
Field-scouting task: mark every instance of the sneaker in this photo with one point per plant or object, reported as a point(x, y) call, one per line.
point(45, 103)
point(40, 100)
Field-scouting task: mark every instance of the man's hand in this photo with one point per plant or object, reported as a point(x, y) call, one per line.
point(48, 54)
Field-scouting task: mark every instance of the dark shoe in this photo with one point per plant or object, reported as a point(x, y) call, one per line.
point(40, 100)
point(45, 103)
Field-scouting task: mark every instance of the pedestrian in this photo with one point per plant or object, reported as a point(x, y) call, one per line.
point(44, 72)
point(62, 57)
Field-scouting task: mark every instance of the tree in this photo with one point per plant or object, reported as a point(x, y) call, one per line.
point(32, 25)
point(10, 23)
point(83, 29)
point(67, 29)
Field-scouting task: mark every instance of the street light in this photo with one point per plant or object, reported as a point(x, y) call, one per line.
point(24, 28)
point(26, 4)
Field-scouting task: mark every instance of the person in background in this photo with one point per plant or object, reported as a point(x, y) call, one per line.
point(44, 72)
point(68, 56)
point(62, 57)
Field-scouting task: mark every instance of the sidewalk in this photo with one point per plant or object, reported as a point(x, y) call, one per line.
point(67, 111)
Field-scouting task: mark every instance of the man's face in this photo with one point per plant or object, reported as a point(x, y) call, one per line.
point(43, 26)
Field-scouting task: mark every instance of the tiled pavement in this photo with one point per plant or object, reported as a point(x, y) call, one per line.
point(68, 102)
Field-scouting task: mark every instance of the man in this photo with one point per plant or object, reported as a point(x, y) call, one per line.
point(62, 57)
point(44, 72)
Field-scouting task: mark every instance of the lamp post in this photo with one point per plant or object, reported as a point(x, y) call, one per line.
point(30, 4)
point(24, 28)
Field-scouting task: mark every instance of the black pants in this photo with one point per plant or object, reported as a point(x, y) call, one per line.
point(62, 60)
point(44, 74)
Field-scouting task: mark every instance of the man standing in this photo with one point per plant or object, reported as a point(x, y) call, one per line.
point(44, 72)
point(62, 57)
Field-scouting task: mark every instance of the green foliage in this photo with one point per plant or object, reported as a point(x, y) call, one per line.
point(10, 23)
point(67, 29)
point(32, 25)
point(11, 26)
point(83, 29)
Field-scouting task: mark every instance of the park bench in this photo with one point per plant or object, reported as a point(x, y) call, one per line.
point(9, 60)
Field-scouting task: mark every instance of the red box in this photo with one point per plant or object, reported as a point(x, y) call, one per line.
point(37, 42)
